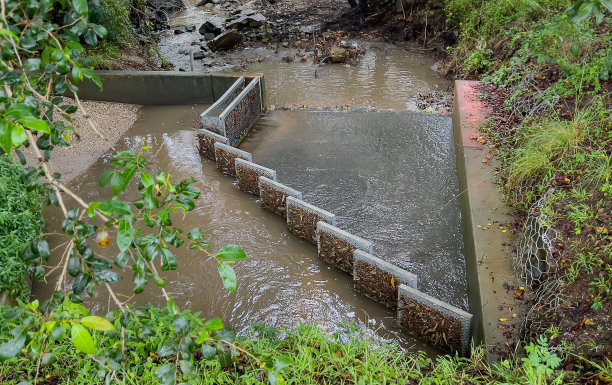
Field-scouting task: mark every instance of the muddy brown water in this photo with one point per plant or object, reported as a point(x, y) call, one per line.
point(281, 283)
point(387, 77)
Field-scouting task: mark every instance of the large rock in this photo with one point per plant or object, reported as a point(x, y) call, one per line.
point(209, 27)
point(227, 40)
point(254, 21)
point(338, 54)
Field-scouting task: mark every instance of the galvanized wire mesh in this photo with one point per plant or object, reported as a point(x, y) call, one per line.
point(538, 266)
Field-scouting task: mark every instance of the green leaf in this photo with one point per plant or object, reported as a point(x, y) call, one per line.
point(6, 32)
point(74, 265)
point(90, 37)
point(181, 326)
point(97, 323)
point(116, 183)
point(231, 253)
point(80, 283)
point(196, 235)
point(228, 276)
point(6, 140)
point(11, 348)
point(35, 124)
point(213, 324)
point(125, 235)
point(188, 369)
point(147, 179)
point(18, 136)
point(107, 276)
point(114, 206)
point(122, 259)
point(99, 30)
point(208, 352)
point(47, 359)
point(98, 264)
point(168, 260)
point(31, 64)
point(81, 339)
point(168, 349)
point(607, 4)
point(105, 178)
point(19, 111)
point(166, 374)
point(43, 249)
point(80, 6)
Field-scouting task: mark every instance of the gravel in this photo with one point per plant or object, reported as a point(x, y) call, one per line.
point(110, 119)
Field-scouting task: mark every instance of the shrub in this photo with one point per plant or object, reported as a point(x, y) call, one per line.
point(20, 222)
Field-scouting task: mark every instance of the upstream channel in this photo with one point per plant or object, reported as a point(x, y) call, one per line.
point(389, 176)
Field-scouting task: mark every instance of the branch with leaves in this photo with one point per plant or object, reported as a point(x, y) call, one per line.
point(41, 46)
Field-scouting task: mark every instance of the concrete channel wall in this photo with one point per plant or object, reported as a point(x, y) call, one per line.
point(488, 250)
point(420, 315)
point(162, 87)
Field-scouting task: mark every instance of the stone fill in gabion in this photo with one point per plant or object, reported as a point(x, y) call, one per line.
point(225, 156)
point(302, 219)
point(433, 321)
point(379, 279)
point(274, 195)
point(206, 143)
point(248, 173)
point(336, 246)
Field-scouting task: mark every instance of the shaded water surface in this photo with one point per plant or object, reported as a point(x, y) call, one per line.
point(388, 176)
point(282, 283)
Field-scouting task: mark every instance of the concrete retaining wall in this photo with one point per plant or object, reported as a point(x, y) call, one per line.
point(225, 156)
point(336, 246)
point(488, 253)
point(302, 219)
point(434, 322)
point(274, 196)
point(206, 143)
point(160, 87)
point(379, 279)
point(248, 173)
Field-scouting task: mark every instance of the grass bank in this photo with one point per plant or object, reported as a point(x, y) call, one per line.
point(547, 80)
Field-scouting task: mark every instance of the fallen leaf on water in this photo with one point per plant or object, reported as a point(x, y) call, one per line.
point(102, 239)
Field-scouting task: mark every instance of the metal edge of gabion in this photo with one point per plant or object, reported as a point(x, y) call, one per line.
point(239, 98)
point(233, 150)
point(264, 171)
point(326, 215)
point(409, 278)
point(447, 309)
point(352, 240)
point(279, 187)
point(213, 135)
point(226, 95)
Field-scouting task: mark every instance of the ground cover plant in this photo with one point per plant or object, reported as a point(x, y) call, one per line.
point(20, 222)
point(308, 356)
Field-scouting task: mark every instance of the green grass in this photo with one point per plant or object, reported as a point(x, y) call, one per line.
point(313, 357)
point(20, 222)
